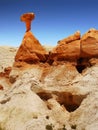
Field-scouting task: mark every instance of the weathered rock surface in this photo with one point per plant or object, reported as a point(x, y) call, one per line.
point(75, 47)
point(51, 90)
point(7, 55)
point(27, 18)
point(89, 44)
point(67, 49)
point(63, 51)
point(55, 97)
point(71, 38)
point(64, 84)
point(30, 51)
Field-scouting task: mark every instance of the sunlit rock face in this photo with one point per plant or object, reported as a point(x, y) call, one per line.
point(27, 18)
point(75, 47)
point(50, 89)
point(71, 38)
point(30, 51)
point(67, 48)
point(89, 44)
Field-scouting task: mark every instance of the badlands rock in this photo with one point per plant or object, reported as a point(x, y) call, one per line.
point(67, 49)
point(30, 50)
point(22, 108)
point(70, 51)
point(75, 47)
point(27, 18)
point(89, 44)
point(7, 55)
point(55, 97)
point(71, 38)
point(63, 91)
point(60, 92)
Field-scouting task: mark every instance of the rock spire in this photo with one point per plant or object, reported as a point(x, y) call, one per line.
point(30, 50)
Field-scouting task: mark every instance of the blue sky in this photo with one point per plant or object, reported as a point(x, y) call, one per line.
point(54, 19)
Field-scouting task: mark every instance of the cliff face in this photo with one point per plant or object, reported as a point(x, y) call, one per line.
point(50, 90)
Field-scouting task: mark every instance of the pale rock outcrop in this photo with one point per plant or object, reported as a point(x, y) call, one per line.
point(54, 97)
point(22, 109)
point(18, 110)
point(7, 55)
point(86, 117)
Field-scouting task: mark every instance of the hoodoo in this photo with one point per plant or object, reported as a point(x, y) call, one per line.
point(27, 18)
point(30, 51)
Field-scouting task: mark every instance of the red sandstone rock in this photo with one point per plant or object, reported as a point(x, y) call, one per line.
point(27, 18)
point(70, 48)
point(89, 44)
point(71, 38)
point(64, 51)
point(30, 50)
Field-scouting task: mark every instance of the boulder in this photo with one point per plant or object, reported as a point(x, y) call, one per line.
point(89, 44)
point(65, 51)
point(71, 38)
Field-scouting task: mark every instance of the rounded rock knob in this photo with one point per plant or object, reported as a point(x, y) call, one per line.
point(27, 18)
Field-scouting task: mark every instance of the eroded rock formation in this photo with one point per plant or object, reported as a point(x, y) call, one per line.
point(27, 18)
point(63, 51)
point(71, 38)
point(30, 51)
point(89, 44)
point(73, 48)
point(51, 90)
